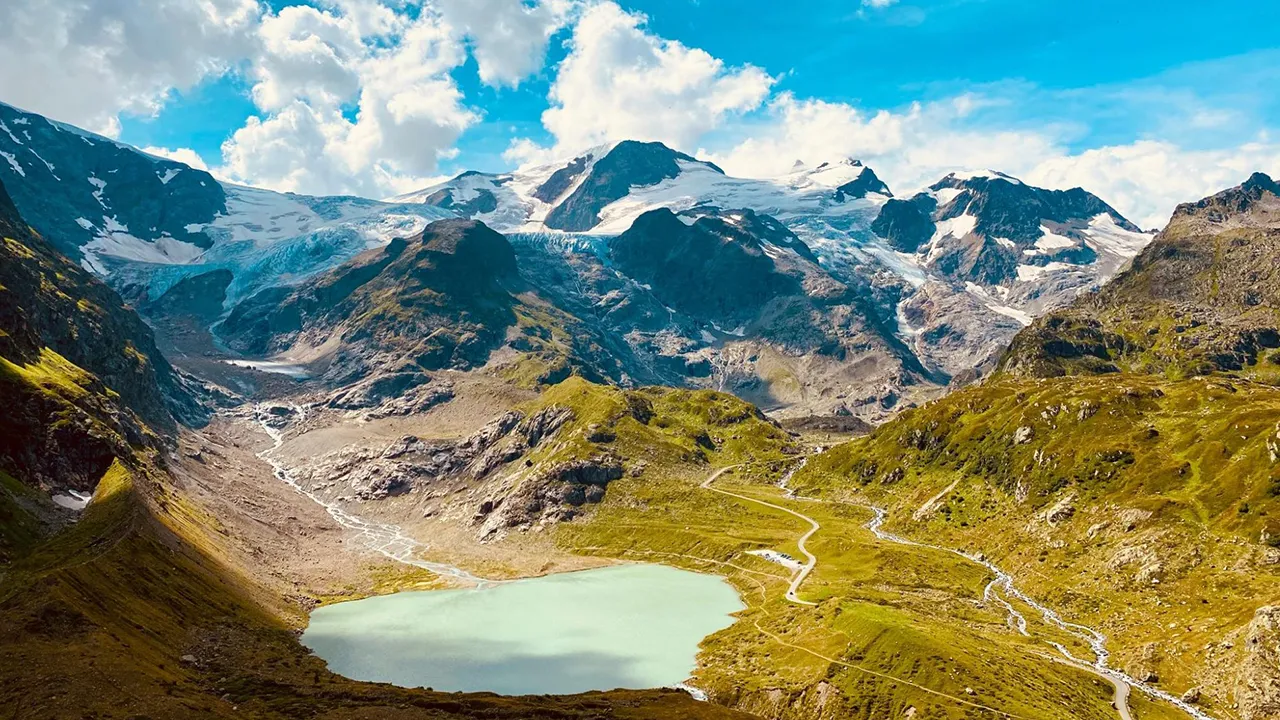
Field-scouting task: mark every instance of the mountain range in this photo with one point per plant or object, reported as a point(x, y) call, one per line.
point(977, 449)
point(856, 302)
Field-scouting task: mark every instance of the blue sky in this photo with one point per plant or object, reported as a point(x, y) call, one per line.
point(1035, 52)
point(1146, 103)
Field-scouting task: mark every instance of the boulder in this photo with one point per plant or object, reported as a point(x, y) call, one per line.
point(1061, 511)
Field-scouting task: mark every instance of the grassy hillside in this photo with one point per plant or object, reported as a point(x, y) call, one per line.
point(1142, 507)
point(136, 612)
point(893, 629)
point(1122, 465)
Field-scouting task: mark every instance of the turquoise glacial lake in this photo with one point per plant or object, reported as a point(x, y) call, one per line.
point(629, 626)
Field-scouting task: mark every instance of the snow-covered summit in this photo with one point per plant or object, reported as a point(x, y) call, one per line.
point(966, 175)
point(123, 213)
point(603, 190)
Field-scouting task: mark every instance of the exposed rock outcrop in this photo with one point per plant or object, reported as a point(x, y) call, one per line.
point(552, 496)
point(1201, 298)
point(1258, 681)
point(432, 468)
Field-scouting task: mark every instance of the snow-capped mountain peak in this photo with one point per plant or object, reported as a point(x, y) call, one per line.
point(967, 176)
point(827, 174)
point(602, 190)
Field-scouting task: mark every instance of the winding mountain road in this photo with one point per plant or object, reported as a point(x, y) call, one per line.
point(811, 559)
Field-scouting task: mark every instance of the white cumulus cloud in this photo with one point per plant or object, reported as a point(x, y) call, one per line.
point(508, 37)
point(86, 62)
point(621, 82)
point(1147, 179)
point(347, 111)
point(186, 156)
point(306, 54)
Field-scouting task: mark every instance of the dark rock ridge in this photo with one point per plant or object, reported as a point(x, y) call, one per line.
point(1008, 217)
point(49, 301)
point(628, 165)
point(863, 185)
point(1010, 209)
point(438, 299)
point(80, 376)
point(1203, 297)
point(561, 180)
point(1231, 202)
point(199, 296)
point(906, 224)
point(69, 183)
point(713, 268)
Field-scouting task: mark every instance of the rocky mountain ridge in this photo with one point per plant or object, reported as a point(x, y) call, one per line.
point(81, 372)
point(1204, 297)
point(952, 272)
point(906, 294)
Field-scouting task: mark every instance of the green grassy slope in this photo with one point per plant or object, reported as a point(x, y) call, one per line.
point(1142, 507)
point(1122, 465)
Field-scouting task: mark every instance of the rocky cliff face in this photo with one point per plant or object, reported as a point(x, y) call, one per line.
point(82, 378)
point(198, 296)
point(80, 189)
point(865, 184)
point(712, 269)
point(1258, 683)
point(1202, 298)
point(49, 302)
